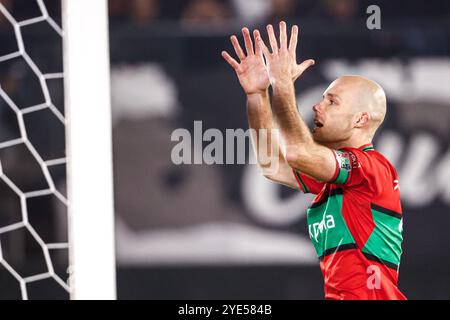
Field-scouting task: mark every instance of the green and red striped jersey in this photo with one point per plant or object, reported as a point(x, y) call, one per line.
point(355, 225)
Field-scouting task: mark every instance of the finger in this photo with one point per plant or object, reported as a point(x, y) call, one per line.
point(263, 46)
point(283, 35)
point(293, 41)
point(272, 39)
point(237, 47)
point(258, 49)
point(247, 41)
point(232, 62)
point(303, 66)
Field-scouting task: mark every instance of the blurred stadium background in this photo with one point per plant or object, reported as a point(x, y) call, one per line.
point(222, 231)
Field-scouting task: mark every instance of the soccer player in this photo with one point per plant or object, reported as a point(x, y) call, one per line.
point(355, 221)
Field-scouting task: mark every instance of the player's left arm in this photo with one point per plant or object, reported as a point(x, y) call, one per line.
point(301, 152)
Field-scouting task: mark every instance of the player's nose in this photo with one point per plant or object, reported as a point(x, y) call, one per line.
point(316, 107)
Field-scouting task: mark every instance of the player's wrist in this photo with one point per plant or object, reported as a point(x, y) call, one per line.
point(282, 86)
point(257, 101)
point(257, 94)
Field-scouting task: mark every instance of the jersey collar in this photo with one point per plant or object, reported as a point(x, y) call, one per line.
point(366, 147)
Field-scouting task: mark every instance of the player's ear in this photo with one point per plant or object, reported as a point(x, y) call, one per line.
point(362, 119)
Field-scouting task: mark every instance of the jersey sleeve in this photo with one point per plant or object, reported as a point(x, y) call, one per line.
point(353, 167)
point(308, 184)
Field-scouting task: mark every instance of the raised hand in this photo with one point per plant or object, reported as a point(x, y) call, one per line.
point(282, 62)
point(251, 70)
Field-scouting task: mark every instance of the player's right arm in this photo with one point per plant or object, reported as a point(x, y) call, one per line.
point(253, 77)
point(270, 159)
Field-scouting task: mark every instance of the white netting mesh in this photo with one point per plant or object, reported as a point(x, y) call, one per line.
point(32, 190)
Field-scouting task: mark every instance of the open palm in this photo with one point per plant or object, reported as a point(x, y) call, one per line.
point(251, 70)
point(282, 62)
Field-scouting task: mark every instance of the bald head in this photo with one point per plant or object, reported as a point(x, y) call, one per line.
point(352, 109)
point(366, 96)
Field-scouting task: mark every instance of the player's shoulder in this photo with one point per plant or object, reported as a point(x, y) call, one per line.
point(370, 159)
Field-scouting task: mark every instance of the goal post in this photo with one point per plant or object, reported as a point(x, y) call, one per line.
point(89, 149)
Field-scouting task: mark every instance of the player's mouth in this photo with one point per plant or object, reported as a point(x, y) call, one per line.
point(318, 124)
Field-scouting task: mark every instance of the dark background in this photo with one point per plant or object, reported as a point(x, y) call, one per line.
point(182, 40)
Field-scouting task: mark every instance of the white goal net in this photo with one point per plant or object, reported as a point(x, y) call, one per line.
point(35, 213)
point(25, 163)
